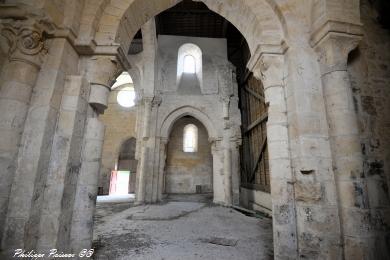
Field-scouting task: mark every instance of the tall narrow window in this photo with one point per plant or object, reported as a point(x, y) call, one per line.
point(190, 139)
point(189, 64)
point(189, 61)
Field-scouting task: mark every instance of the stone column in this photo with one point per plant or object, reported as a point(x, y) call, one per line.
point(101, 72)
point(333, 50)
point(218, 171)
point(235, 143)
point(86, 191)
point(227, 166)
point(64, 167)
point(269, 68)
point(162, 160)
point(19, 75)
point(140, 196)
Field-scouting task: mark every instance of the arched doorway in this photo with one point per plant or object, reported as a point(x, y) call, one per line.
point(188, 167)
point(122, 179)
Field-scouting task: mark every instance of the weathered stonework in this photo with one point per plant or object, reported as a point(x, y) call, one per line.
point(327, 129)
point(26, 49)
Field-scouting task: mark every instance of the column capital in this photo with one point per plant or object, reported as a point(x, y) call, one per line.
point(267, 63)
point(148, 101)
point(235, 141)
point(270, 68)
point(215, 143)
point(102, 70)
point(163, 141)
point(333, 50)
point(26, 40)
point(156, 101)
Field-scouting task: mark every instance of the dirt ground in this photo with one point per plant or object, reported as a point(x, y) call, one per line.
point(178, 231)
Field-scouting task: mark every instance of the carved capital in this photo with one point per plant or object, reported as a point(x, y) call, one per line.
point(156, 101)
point(267, 63)
point(26, 40)
point(216, 144)
point(103, 70)
point(333, 50)
point(148, 102)
point(270, 70)
point(164, 142)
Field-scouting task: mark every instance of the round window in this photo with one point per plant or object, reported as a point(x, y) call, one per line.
point(126, 97)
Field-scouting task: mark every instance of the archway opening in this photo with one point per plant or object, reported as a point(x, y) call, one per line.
point(122, 179)
point(118, 165)
point(189, 166)
point(186, 159)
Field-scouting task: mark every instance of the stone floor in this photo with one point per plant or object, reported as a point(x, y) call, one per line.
point(179, 230)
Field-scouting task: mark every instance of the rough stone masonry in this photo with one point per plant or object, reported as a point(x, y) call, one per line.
point(324, 66)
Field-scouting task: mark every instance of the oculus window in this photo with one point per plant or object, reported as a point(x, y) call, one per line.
point(125, 90)
point(126, 97)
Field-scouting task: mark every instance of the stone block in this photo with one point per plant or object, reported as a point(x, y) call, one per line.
point(310, 192)
point(99, 97)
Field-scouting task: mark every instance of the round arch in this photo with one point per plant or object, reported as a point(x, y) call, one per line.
point(175, 115)
point(123, 142)
point(260, 22)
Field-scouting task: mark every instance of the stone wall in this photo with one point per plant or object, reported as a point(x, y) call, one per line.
point(186, 170)
point(120, 125)
point(369, 71)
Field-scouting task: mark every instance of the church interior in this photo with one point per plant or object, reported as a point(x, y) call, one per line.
point(195, 129)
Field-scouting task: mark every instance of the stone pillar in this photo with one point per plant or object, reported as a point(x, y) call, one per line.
point(227, 166)
point(140, 196)
point(18, 78)
point(86, 192)
point(147, 112)
point(64, 167)
point(100, 72)
point(218, 171)
point(347, 157)
point(162, 161)
point(235, 142)
point(269, 68)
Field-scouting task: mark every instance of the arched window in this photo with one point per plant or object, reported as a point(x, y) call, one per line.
point(189, 61)
point(190, 139)
point(189, 64)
